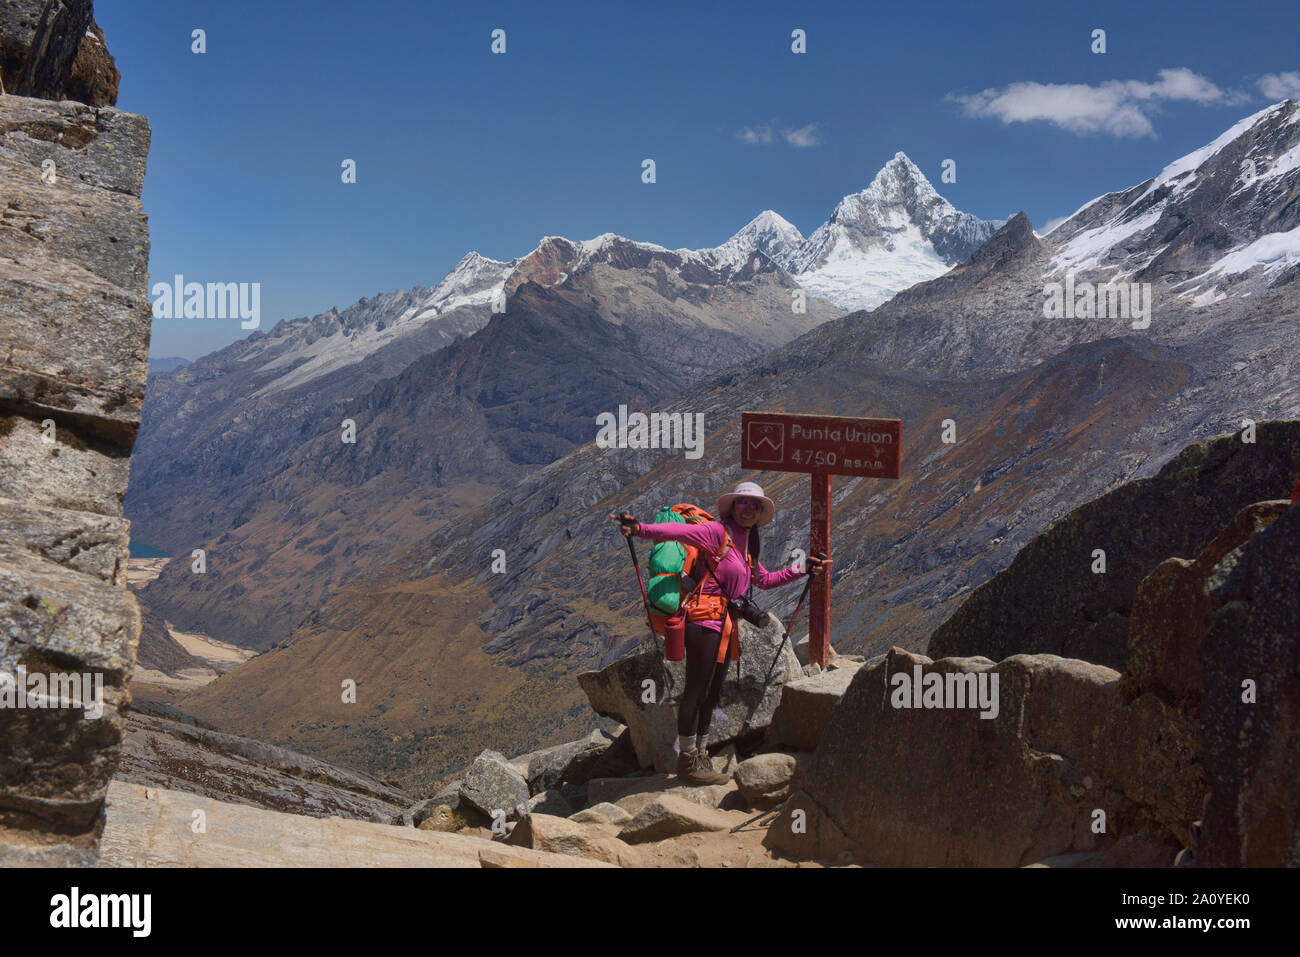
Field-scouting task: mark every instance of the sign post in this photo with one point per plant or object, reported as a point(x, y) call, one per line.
point(822, 445)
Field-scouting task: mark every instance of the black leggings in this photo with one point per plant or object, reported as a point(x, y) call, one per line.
point(704, 675)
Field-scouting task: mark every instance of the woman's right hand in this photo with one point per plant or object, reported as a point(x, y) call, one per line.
point(626, 523)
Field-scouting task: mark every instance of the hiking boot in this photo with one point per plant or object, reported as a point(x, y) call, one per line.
point(686, 762)
point(700, 770)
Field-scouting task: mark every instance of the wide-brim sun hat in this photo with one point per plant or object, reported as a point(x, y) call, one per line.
point(747, 490)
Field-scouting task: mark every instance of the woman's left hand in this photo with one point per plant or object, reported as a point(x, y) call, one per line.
point(815, 565)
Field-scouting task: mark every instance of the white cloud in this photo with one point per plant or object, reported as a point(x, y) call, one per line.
point(803, 137)
point(1280, 86)
point(1121, 108)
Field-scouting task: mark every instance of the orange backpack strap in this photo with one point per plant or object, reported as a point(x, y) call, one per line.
point(699, 606)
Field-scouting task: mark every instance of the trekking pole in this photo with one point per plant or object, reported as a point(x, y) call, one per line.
point(645, 605)
point(780, 648)
point(770, 813)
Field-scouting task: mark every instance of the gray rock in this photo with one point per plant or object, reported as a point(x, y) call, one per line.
point(491, 783)
point(450, 794)
point(161, 752)
point(805, 708)
point(571, 762)
point(1041, 604)
point(543, 832)
point(74, 313)
point(602, 813)
point(765, 779)
point(668, 815)
point(617, 690)
point(548, 802)
point(620, 790)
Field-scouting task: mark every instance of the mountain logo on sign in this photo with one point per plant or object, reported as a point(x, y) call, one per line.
point(766, 441)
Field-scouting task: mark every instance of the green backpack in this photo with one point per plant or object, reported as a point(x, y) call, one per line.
point(670, 560)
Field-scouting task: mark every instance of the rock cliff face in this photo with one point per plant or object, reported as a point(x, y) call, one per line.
point(74, 329)
point(1052, 599)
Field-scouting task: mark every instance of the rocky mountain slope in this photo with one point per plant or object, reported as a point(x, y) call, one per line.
point(74, 252)
point(303, 510)
point(1049, 413)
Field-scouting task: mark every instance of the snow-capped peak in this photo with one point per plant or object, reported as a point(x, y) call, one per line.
point(769, 233)
point(899, 180)
point(895, 233)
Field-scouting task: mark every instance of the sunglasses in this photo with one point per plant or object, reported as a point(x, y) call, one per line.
point(748, 503)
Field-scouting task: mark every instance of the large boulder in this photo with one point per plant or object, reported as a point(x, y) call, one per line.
point(492, 784)
point(631, 690)
point(1250, 713)
point(805, 709)
point(668, 815)
point(1049, 600)
point(765, 779)
point(943, 786)
point(556, 835)
point(73, 267)
point(568, 763)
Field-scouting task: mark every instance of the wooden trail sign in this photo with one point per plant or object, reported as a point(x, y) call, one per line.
point(822, 445)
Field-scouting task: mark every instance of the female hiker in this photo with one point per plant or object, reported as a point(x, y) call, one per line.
point(712, 634)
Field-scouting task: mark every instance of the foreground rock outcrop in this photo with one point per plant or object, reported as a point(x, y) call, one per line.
point(74, 249)
point(1190, 748)
point(1062, 755)
point(157, 827)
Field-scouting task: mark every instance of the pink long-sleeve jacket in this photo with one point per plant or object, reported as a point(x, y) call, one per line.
point(732, 572)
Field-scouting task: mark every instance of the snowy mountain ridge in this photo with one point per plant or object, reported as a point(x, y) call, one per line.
point(1216, 222)
point(895, 233)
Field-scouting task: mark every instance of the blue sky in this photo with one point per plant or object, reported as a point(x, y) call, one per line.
point(459, 149)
